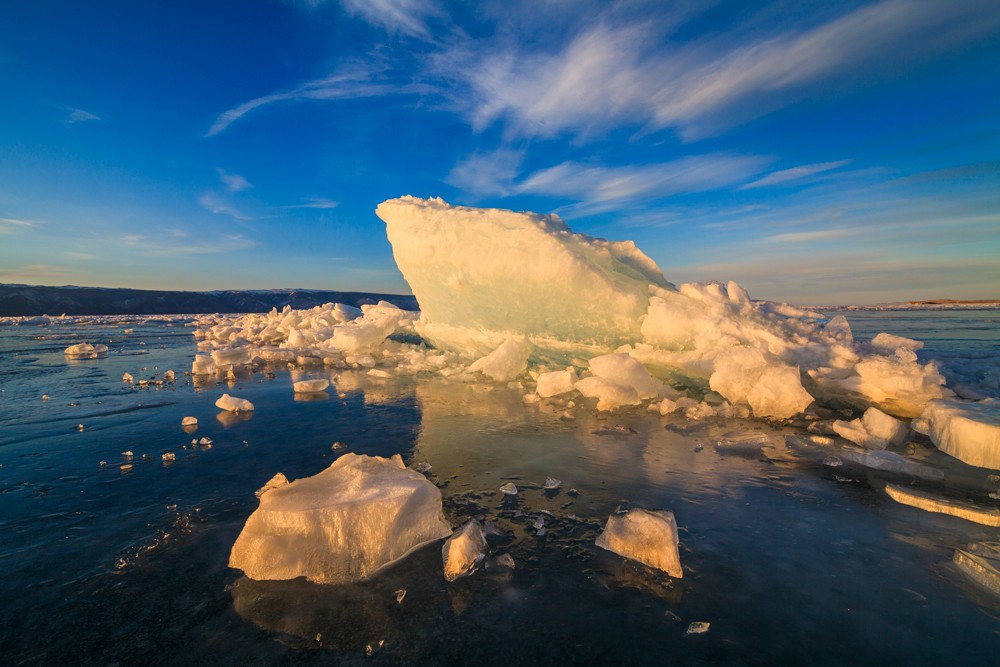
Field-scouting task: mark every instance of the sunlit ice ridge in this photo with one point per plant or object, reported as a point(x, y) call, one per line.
point(518, 298)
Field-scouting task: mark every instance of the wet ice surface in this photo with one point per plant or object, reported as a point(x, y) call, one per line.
point(788, 559)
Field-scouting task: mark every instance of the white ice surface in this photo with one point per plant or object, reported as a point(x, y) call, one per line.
point(341, 525)
point(233, 404)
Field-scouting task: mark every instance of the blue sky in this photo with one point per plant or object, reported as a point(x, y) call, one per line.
point(815, 152)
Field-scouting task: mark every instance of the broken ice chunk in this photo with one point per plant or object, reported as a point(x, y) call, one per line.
point(169, 376)
point(189, 421)
point(202, 365)
point(276, 482)
point(609, 395)
point(981, 562)
point(743, 445)
point(647, 536)
point(168, 457)
point(552, 483)
point(889, 462)
point(508, 489)
point(556, 382)
point(622, 370)
point(506, 362)
point(968, 431)
point(779, 393)
point(233, 404)
point(341, 525)
point(400, 594)
point(310, 386)
point(126, 377)
point(697, 628)
point(504, 560)
point(875, 430)
point(463, 551)
point(85, 351)
point(422, 467)
point(931, 503)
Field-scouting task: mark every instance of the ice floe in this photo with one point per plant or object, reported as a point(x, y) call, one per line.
point(233, 404)
point(341, 525)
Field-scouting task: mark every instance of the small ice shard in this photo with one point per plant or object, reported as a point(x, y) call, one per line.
point(341, 525)
point(552, 483)
point(889, 462)
point(647, 536)
point(205, 441)
point(556, 382)
point(127, 377)
point(422, 467)
point(125, 467)
point(617, 429)
point(168, 457)
point(310, 386)
point(875, 430)
point(980, 561)
point(969, 431)
point(276, 482)
point(127, 454)
point(697, 628)
point(743, 445)
point(539, 523)
point(169, 376)
point(79, 427)
point(233, 404)
point(189, 421)
point(400, 594)
point(931, 503)
point(463, 551)
point(671, 616)
point(372, 648)
point(337, 446)
point(45, 397)
point(508, 489)
point(504, 560)
point(506, 362)
point(85, 351)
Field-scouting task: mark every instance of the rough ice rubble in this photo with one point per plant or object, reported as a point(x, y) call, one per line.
point(874, 430)
point(498, 286)
point(341, 525)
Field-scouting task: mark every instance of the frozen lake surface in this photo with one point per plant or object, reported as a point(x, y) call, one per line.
point(790, 559)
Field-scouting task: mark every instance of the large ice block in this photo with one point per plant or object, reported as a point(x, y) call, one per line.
point(647, 536)
point(341, 525)
point(481, 274)
point(968, 431)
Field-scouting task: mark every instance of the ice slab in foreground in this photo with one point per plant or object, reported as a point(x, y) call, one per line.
point(968, 431)
point(649, 537)
point(988, 516)
point(341, 525)
point(981, 562)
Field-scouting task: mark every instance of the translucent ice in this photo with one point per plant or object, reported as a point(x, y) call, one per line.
point(875, 430)
point(189, 421)
point(981, 562)
point(988, 516)
point(85, 351)
point(310, 386)
point(968, 431)
point(649, 537)
point(343, 524)
point(556, 382)
point(506, 362)
point(463, 551)
point(233, 404)
point(622, 370)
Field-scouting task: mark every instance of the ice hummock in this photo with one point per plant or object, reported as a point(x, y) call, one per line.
point(340, 525)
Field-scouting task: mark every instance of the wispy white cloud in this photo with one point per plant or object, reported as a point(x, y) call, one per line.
point(226, 243)
point(131, 239)
point(595, 184)
point(408, 17)
point(811, 236)
point(795, 173)
point(80, 116)
point(8, 225)
point(233, 182)
point(218, 205)
point(315, 202)
point(350, 83)
point(485, 174)
point(617, 73)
